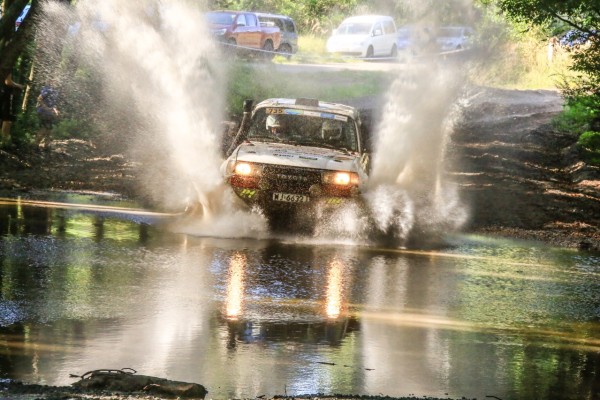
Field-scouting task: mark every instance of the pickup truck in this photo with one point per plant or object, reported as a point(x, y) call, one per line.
point(243, 29)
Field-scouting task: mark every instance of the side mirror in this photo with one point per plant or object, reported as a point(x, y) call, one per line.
point(248, 105)
point(377, 32)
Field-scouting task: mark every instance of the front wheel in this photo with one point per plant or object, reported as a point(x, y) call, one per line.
point(394, 52)
point(268, 48)
point(369, 52)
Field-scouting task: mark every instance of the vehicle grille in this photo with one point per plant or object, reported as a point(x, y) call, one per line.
point(290, 179)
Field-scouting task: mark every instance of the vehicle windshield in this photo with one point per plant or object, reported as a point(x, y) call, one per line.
point(293, 126)
point(220, 18)
point(354, 28)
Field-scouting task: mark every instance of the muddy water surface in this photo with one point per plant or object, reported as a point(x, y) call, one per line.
point(92, 287)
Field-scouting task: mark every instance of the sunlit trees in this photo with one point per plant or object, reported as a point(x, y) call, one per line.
point(583, 91)
point(582, 16)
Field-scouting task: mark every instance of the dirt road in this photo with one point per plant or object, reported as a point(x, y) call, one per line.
point(520, 175)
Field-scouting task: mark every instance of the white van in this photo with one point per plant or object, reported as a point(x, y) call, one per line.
point(365, 36)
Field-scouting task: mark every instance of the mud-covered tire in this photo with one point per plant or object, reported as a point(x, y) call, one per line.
point(268, 49)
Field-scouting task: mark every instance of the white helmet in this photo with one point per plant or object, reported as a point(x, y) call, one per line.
point(331, 130)
point(273, 121)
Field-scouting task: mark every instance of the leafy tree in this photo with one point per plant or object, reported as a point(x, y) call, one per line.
point(314, 16)
point(583, 16)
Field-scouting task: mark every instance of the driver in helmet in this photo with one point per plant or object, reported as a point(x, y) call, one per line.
point(331, 132)
point(276, 126)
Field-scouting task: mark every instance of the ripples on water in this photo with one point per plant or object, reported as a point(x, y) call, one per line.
point(95, 289)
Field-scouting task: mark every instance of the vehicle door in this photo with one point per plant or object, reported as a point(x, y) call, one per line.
point(241, 32)
point(389, 31)
point(377, 39)
point(254, 31)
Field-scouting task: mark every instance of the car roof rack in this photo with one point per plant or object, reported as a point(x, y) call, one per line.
point(307, 102)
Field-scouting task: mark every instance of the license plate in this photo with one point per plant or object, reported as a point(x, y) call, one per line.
point(290, 198)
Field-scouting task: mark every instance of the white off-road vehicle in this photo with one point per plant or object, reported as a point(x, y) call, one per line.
point(293, 156)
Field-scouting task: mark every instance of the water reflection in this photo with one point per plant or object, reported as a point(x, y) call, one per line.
point(235, 287)
point(330, 329)
point(81, 290)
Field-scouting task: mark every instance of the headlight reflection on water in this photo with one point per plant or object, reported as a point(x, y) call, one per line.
point(235, 286)
point(334, 289)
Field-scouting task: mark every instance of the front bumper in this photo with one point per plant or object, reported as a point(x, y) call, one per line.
point(287, 187)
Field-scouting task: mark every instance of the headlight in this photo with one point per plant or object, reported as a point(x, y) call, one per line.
point(244, 169)
point(219, 32)
point(340, 178)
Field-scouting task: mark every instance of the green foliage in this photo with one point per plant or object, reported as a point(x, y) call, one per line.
point(589, 143)
point(582, 15)
point(582, 118)
point(579, 114)
point(70, 128)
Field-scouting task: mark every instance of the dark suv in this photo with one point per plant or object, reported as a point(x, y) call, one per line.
point(287, 26)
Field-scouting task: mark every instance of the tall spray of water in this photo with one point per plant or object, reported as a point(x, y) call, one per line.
point(409, 200)
point(161, 85)
point(409, 195)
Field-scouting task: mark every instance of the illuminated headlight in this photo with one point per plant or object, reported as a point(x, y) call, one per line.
point(244, 169)
point(340, 178)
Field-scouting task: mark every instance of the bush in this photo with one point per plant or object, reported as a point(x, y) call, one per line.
point(589, 143)
point(579, 114)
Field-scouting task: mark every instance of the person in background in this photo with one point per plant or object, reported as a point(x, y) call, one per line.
point(47, 113)
point(8, 96)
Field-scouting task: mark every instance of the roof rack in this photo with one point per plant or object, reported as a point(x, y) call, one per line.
point(307, 102)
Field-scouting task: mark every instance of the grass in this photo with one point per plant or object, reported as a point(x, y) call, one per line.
point(524, 65)
point(267, 80)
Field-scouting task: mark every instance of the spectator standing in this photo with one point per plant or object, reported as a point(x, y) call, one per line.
point(8, 91)
point(47, 113)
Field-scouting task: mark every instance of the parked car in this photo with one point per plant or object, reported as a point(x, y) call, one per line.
point(407, 42)
point(287, 26)
point(364, 36)
point(291, 156)
point(574, 39)
point(454, 38)
point(238, 28)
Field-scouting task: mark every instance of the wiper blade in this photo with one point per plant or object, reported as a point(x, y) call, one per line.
point(261, 138)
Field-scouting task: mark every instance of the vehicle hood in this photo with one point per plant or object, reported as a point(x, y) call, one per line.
point(219, 26)
point(296, 156)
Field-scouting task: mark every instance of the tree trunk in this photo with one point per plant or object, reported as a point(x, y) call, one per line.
point(12, 43)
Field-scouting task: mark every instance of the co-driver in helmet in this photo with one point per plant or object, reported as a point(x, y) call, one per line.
point(331, 132)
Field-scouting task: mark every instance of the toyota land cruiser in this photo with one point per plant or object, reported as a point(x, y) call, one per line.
point(293, 155)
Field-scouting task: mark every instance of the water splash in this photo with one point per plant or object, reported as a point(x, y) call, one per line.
point(158, 94)
point(409, 201)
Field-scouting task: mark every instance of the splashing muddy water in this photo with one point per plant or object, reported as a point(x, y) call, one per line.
point(160, 80)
